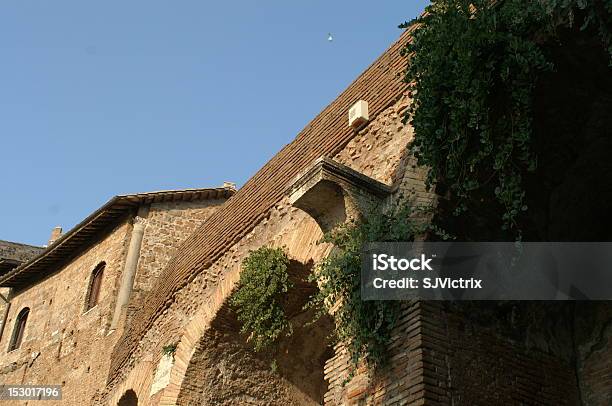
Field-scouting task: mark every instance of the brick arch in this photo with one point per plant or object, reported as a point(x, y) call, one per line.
point(138, 381)
point(212, 313)
point(129, 398)
point(213, 361)
point(191, 336)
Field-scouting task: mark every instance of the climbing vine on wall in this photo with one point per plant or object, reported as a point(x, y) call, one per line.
point(257, 301)
point(170, 349)
point(472, 70)
point(364, 327)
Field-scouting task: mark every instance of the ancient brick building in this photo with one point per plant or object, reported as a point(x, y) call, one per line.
point(71, 291)
point(170, 260)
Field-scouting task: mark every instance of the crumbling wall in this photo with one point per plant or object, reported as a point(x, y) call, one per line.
point(224, 372)
point(199, 301)
point(224, 369)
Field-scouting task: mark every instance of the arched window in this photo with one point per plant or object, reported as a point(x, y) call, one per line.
point(19, 329)
point(95, 283)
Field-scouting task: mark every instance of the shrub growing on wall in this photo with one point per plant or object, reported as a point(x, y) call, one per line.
point(170, 349)
point(257, 300)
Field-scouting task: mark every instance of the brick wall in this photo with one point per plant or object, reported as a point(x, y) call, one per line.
point(209, 290)
point(484, 367)
point(402, 383)
point(168, 225)
point(594, 350)
point(63, 344)
point(438, 357)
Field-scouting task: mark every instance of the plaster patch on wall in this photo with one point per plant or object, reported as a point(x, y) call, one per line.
point(162, 373)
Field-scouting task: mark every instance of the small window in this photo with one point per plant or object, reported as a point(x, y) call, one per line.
point(95, 283)
point(19, 329)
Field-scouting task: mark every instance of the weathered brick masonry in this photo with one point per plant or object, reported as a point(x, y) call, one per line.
point(11, 256)
point(66, 344)
point(63, 344)
point(439, 357)
point(172, 222)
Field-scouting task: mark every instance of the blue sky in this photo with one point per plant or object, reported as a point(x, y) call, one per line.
point(99, 98)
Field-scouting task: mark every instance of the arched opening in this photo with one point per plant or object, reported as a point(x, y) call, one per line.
point(129, 398)
point(301, 358)
point(19, 330)
point(324, 202)
point(225, 369)
point(95, 283)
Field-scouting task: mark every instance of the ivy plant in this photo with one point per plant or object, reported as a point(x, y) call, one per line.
point(169, 350)
point(364, 327)
point(472, 69)
point(257, 300)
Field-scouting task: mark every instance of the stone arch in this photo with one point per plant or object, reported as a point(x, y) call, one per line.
point(223, 368)
point(129, 398)
point(190, 338)
point(138, 380)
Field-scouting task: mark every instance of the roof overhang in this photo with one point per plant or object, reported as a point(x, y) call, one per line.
point(7, 265)
point(93, 227)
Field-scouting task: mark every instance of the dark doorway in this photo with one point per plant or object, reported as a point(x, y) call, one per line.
point(129, 398)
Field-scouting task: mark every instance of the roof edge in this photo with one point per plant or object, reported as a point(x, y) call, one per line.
point(112, 210)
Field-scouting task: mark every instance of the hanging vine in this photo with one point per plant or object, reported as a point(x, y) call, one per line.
point(257, 301)
point(472, 70)
point(364, 327)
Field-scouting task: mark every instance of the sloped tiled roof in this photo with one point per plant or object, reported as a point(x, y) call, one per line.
point(86, 232)
point(380, 85)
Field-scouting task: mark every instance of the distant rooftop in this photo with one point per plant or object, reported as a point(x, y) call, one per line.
point(13, 254)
